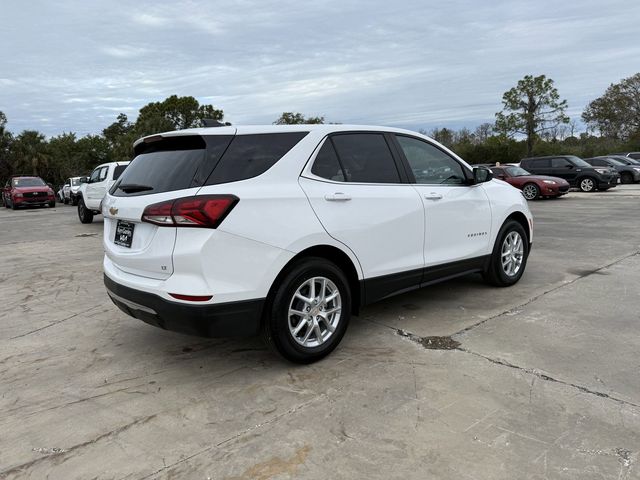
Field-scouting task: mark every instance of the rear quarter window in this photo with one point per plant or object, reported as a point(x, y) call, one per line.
point(251, 155)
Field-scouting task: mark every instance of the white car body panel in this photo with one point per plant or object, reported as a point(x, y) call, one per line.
point(93, 193)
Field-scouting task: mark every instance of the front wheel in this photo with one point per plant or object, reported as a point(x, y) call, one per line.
point(530, 191)
point(626, 178)
point(309, 311)
point(509, 257)
point(587, 184)
point(84, 214)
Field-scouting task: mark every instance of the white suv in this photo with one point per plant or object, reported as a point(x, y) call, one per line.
point(93, 189)
point(289, 230)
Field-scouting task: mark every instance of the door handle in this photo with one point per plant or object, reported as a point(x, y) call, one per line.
point(337, 197)
point(433, 196)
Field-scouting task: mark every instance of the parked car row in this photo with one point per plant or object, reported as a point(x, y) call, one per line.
point(553, 176)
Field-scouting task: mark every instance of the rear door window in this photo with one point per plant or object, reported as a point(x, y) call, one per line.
point(365, 158)
point(251, 155)
point(539, 163)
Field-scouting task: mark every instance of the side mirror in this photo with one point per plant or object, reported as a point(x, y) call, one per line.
point(570, 166)
point(481, 175)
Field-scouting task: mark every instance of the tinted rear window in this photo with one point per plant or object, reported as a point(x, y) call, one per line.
point(537, 162)
point(251, 155)
point(366, 158)
point(172, 163)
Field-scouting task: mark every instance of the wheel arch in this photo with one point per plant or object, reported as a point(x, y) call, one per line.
point(521, 218)
point(336, 256)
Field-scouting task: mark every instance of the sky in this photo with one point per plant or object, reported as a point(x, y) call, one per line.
point(73, 65)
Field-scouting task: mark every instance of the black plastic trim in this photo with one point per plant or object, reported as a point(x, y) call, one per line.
point(230, 319)
point(377, 288)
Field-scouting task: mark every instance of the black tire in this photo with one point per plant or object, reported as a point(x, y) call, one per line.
point(275, 327)
point(12, 205)
point(84, 214)
point(495, 273)
point(66, 201)
point(52, 204)
point(587, 184)
point(530, 191)
point(626, 177)
point(74, 201)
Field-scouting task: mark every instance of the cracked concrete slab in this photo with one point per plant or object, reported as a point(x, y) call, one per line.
point(543, 384)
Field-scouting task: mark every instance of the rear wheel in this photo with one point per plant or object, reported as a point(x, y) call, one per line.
point(308, 312)
point(509, 257)
point(530, 191)
point(587, 184)
point(626, 177)
point(84, 214)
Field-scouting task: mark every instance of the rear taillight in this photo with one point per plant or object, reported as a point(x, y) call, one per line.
point(206, 211)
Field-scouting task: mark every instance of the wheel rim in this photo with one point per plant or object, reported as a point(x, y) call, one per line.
point(314, 312)
point(512, 254)
point(586, 184)
point(530, 192)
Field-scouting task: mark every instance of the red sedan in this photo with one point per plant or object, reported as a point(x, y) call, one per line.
point(22, 190)
point(532, 186)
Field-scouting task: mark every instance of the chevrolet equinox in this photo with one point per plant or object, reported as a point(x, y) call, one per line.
point(287, 231)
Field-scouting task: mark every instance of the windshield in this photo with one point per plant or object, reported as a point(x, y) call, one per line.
point(75, 182)
point(516, 171)
point(28, 182)
point(578, 162)
point(616, 162)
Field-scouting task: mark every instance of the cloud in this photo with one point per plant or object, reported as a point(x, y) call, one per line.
point(416, 65)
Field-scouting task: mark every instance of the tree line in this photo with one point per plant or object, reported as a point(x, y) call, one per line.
point(533, 121)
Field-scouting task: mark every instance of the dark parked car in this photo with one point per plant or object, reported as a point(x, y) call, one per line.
point(634, 155)
point(623, 159)
point(26, 190)
point(574, 170)
point(628, 173)
point(532, 186)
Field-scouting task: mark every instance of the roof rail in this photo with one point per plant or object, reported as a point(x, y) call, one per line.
point(209, 122)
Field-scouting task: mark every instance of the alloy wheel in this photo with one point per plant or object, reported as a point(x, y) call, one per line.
point(512, 254)
point(586, 185)
point(530, 192)
point(314, 312)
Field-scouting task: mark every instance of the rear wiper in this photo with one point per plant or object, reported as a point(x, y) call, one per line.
point(134, 187)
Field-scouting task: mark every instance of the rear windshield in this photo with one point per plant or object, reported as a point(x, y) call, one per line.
point(251, 155)
point(161, 166)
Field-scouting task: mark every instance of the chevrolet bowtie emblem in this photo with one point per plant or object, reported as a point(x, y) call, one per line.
point(113, 211)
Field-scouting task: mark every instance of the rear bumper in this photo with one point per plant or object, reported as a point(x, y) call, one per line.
point(231, 319)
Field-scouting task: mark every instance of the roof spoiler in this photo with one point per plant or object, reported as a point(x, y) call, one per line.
point(209, 122)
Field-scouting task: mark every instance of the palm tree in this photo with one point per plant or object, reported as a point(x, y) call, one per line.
point(30, 150)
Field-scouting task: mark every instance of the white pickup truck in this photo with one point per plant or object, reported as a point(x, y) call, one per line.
point(93, 188)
